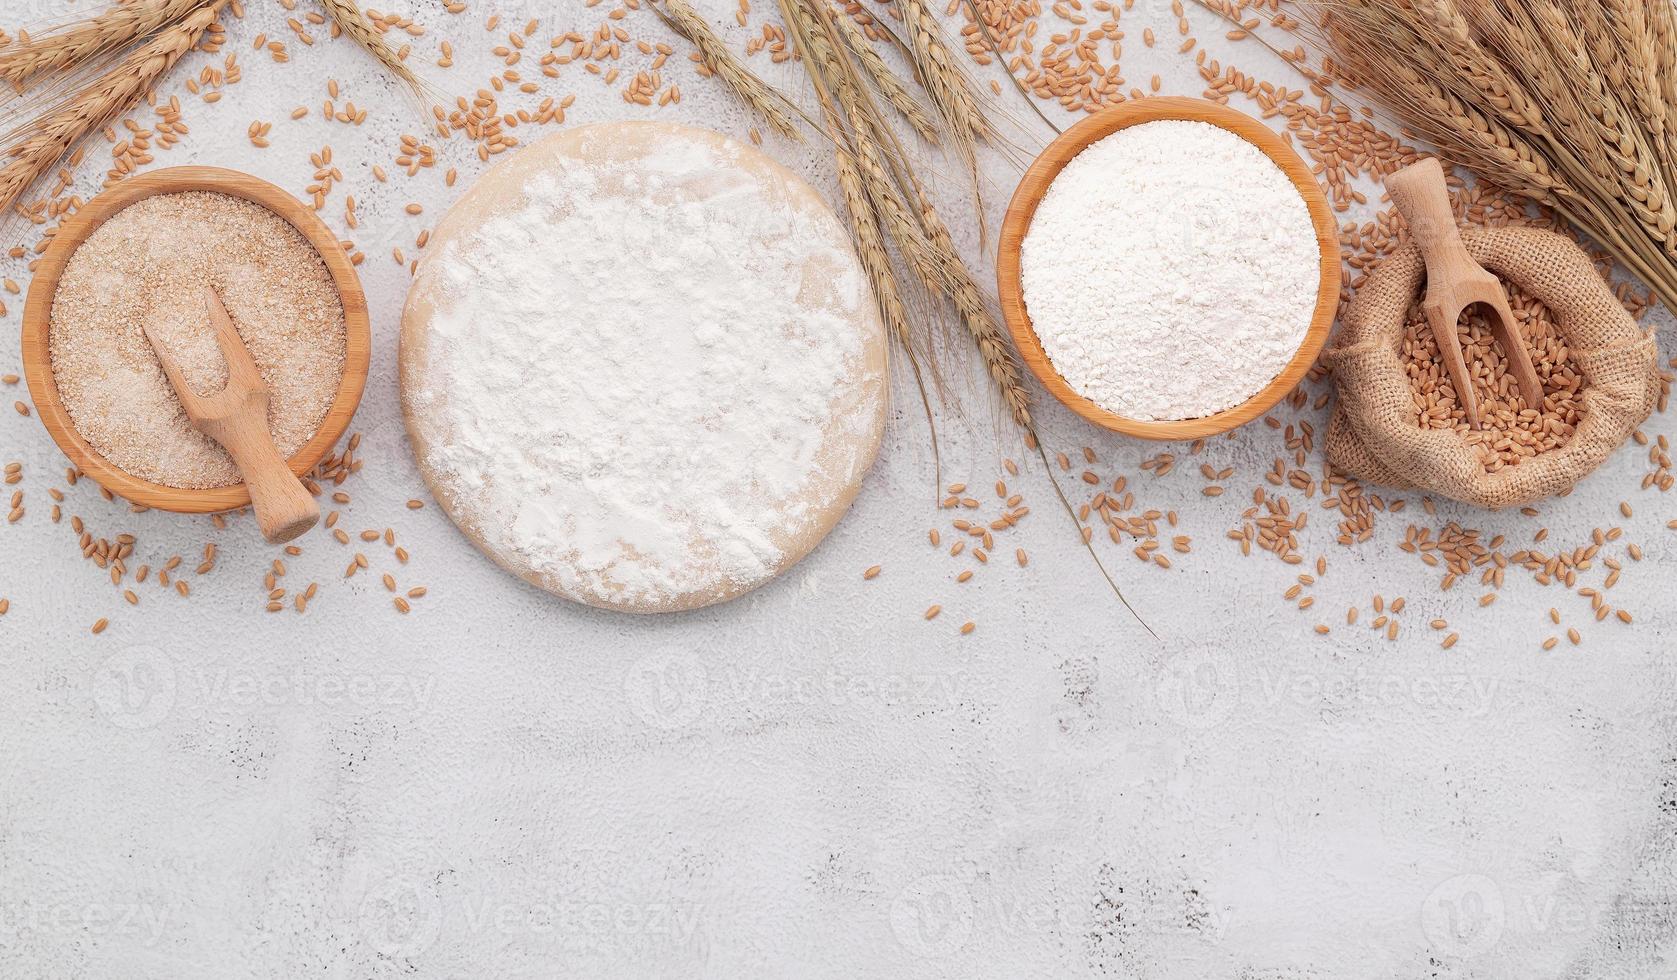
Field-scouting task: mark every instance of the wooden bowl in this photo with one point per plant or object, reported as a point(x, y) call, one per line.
point(37, 316)
point(1097, 127)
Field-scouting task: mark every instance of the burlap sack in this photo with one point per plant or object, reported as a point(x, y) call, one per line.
point(1373, 436)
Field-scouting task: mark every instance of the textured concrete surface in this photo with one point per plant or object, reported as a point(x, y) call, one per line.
point(814, 781)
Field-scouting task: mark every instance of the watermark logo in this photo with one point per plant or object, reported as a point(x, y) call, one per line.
point(668, 689)
point(576, 923)
point(139, 921)
point(1464, 916)
point(1196, 691)
point(933, 916)
point(246, 688)
point(400, 916)
point(135, 688)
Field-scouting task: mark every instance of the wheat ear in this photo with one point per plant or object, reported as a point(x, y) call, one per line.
point(951, 92)
point(884, 79)
point(870, 241)
point(73, 44)
point(878, 188)
point(1637, 170)
point(359, 28)
point(927, 247)
point(942, 76)
point(1634, 28)
point(1662, 23)
point(974, 308)
point(752, 90)
point(39, 144)
point(1442, 23)
point(876, 262)
point(1587, 157)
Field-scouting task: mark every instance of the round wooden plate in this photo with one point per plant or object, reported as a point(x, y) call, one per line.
point(37, 318)
point(1097, 127)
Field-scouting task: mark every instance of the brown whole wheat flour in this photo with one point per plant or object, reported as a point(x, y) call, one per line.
point(147, 265)
point(1600, 371)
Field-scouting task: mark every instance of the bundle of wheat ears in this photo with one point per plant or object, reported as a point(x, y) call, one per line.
point(1570, 103)
point(74, 79)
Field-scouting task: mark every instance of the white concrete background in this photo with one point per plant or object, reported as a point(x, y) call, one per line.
point(811, 781)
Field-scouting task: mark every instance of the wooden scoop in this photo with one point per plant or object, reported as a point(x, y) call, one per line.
point(237, 417)
point(1455, 282)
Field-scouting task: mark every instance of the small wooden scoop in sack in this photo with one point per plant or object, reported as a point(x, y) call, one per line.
point(237, 418)
point(1455, 282)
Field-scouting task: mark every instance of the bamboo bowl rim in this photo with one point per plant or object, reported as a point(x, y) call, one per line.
point(1034, 185)
point(43, 290)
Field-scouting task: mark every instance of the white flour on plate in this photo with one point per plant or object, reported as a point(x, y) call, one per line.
point(1171, 271)
point(637, 366)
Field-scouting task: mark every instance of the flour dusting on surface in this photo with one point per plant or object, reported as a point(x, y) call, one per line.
point(1171, 271)
point(638, 367)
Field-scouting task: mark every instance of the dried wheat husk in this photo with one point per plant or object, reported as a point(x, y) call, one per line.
point(951, 92)
point(878, 181)
point(358, 28)
point(1566, 102)
point(1632, 32)
point(36, 145)
point(765, 101)
point(1662, 26)
point(902, 207)
point(1444, 29)
point(1620, 140)
point(890, 87)
point(943, 78)
point(875, 255)
point(73, 45)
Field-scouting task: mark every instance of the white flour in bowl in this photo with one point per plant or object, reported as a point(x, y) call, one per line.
point(1171, 271)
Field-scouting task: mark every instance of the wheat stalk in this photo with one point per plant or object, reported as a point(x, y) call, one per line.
point(1507, 159)
point(875, 256)
point(1663, 26)
point(930, 252)
point(1625, 147)
point(946, 82)
point(358, 28)
point(871, 247)
point(913, 222)
point(1453, 39)
point(884, 79)
point(975, 313)
point(1566, 104)
point(74, 44)
point(767, 102)
point(38, 144)
point(878, 183)
point(942, 76)
point(1588, 19)
point(1516, 39)
point(1634, 27)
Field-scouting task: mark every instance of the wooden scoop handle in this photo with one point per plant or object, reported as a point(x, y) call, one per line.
point(1423, 198)
point(237, 418)
point(284, 508)
point(1455, 281)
